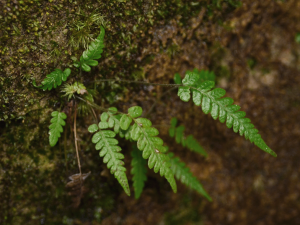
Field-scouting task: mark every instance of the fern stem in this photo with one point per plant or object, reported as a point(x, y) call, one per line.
point(100, 107)
point(154, 104)
point(76, 146)
point(140, 82)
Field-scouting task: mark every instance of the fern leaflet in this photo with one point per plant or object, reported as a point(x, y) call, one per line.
point(184, 174)
point(190, 142)
point(54, 79)
point(93, 52)
point(152, 146)
point(56, 126)
point(204, 75)
point(105, 141)
point(222, 108)
point(138, 171)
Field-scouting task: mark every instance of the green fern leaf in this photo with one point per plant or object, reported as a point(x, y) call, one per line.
point(152, 146)
point(212, 102)
point(56, 127)
point(183, 174)
point(205, 75)
point(93, 52)
point(138, 171)
point(177, 79)
point(105, 141)
point(190, 142)
point(54, 79)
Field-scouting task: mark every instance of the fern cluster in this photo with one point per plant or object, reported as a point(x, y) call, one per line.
point(190, 142)
point(137, 129)
point(55, 78)
point(149, 149)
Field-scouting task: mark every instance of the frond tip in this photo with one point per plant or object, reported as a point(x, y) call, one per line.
point(138, 171)
point(56, 127)
point(93, 52)
point(183, 174)
point(105, 141)
point(190, 142)
point(212, 102)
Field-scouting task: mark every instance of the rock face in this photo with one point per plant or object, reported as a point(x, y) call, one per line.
point(253, 48)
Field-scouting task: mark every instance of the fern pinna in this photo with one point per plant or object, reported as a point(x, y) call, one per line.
point(105, 141)
point(56, 127)
point(190, 142)
point(138, 171)
point(184, 174)
point(212, 102)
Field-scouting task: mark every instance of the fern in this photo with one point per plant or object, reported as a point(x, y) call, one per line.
point(152, 146)
point(204, 75)
point(212, 102)
point(54, 79)
point(93, 52)
point(183, 174)
point(105, 141)
point(138, 171)
point(56, 126)
point(190, 142)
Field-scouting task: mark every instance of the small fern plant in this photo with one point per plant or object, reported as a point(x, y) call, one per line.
point(149, 148)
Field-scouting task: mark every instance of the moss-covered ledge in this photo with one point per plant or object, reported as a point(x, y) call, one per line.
point(38, 36)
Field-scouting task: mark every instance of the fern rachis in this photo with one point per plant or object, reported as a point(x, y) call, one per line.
point(211, 101)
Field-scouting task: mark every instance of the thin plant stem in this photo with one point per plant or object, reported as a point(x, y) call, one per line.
point(154, 104)
point(76, 146)
point(139, 82)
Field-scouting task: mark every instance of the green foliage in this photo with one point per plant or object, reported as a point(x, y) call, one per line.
point(93, 52)
point(152, 146)
point(190, 142)
point(54, 79)
point(56, 126)
point(184, 174)
point(297, 38)
point(212, 102)
point(138, 171)
point(105, 141)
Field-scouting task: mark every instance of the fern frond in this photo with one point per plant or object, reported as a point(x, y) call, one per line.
point(56, 127)
point(183, 174)
point(93, 52)
point(152, 146)
point(138, 171)
point(190, 142)
point(212, 102)
point(105, 141)
point(54, 79)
